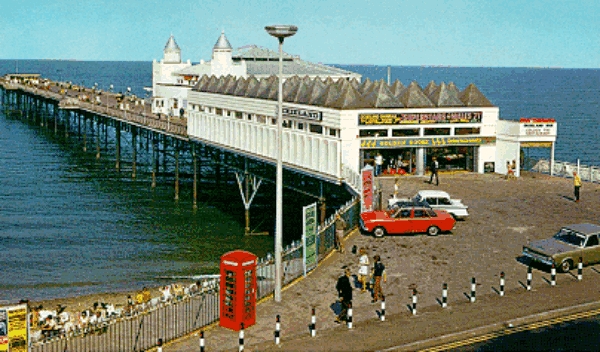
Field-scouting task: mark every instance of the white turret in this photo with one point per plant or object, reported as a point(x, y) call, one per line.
point(221, 64)
point(172, 52)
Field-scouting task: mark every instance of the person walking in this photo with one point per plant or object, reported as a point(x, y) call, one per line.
point(378, 164)
point(363, 270)
point(378, 274)
point(344, 289)
point(340, 228)
point(577, 185)
point(434, 171)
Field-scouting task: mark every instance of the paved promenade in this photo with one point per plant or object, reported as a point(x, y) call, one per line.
point(505, 214)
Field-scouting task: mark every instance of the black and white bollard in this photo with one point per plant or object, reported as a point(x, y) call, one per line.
point(553, 275)
point(473, 287)
point(277, 330)
point(502, 284)
point(350, 315)
point(580, 269)
point(202, 341)
point(444, 295)
point(241, 338)
point(529, 277)
point(159, 345)
point(414, 301)
point(382, 316)
point(313, 324)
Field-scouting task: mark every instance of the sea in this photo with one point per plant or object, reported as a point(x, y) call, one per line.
point(69, 226)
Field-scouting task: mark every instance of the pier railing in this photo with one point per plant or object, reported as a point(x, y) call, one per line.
point(565, 169)
point(157, 319)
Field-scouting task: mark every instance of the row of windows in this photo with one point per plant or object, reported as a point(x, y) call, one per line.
point(287, 123)
point(412, 132)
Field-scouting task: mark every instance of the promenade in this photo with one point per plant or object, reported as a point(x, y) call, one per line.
point(505, 214)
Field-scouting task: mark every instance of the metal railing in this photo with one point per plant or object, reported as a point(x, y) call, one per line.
point(565, 169)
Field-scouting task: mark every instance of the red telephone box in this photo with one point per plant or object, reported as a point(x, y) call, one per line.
point(238, 289)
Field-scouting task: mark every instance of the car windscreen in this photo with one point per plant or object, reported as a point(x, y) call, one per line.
point(570, 237)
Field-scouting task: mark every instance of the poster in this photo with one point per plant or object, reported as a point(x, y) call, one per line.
point(367, 188)
point(13, 328)
point(309, 236)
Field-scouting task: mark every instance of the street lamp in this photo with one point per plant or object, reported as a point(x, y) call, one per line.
point(280, 32)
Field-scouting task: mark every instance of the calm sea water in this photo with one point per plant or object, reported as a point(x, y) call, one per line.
point(69, 226)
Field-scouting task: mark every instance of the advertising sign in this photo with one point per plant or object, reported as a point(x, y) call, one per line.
point(309, 236)
point(367, 188)
point(420, 118)
point(424, 142)
point(13, 328)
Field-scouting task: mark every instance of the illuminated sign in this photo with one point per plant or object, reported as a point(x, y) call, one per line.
point(425, 142)
point(536, 120)
point(420, 118)
point(298, 113)
point(536, 144)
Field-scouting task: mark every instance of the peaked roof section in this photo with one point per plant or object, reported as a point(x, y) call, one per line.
point(442, 96)
point(471, 96)
point(382, 97)
point(222, 43)
point(431, 86)
point(413, 97)
point(343, 94)
point(172, 45)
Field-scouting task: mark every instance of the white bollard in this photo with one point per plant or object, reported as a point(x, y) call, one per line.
point(445, 295)
point(580, 269)
point(502, 284)
point(277, 330)
point(529, 277)
point(350, 316)
point(382, 316)
point(414, 301)
point(473, 286)
point(553, 276)
point(313, 324)
point(241, 338)
point(202, 341)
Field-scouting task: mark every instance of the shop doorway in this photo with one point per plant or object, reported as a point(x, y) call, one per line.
point(453, 158)
point(400, 161)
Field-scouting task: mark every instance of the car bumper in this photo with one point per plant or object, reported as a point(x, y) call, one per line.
point(538, 258)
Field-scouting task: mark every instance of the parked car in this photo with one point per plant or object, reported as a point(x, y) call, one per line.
point(437, 200)
point(564, 249)
point(406, 217)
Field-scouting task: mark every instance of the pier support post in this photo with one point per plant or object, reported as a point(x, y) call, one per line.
point(84, 134)
point(154, 159)
point(195, 162)
point(118, 145)
point(134, 151)
point(97, 132)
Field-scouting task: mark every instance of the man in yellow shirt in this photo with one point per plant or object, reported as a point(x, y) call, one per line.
point(577, 185)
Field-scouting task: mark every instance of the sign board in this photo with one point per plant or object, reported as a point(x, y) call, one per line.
point(14, 328)
point(309, 236)
point(300, 113)
point(378, 143)
point(367, 175)
point(536, 144)
point(537, 129)
point(420, 118)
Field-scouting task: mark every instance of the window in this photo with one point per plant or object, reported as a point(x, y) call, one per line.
point(373, 133)
point(464, 131)
point(316, 128)
point(287, 124)
point(405, 132)
point(405, 213)
point(431, 201)
point(592, 241)
point(334, 132)
point(238, 115)
point(219, 111)
point(261, 119)
point(437, 132)
point(421, 213)
point(445, 201)
point(300, 125)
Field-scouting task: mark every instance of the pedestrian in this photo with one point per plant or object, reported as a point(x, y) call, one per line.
point(577, 185)
point(340, 228)
point(378, 164)
point(363, 271)
point(434, 171)
point(344, 289)
point(378, 274)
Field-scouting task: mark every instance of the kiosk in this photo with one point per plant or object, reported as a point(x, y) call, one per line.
point(238, 290)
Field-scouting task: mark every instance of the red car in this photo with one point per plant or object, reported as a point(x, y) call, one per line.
point(409, 218)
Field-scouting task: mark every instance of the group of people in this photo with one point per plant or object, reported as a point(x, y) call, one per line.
point(369, 278)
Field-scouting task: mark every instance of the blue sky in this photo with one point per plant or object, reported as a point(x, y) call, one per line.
point(388, 32)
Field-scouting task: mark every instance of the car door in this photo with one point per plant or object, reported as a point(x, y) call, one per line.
point(420, 221)
point(591, 251)
point(402, 221)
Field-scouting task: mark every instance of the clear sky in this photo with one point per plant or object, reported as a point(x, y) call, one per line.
point(522, 33)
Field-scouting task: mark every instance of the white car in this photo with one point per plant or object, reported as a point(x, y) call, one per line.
point(437, 200)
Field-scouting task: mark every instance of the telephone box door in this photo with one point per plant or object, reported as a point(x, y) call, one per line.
point(238, 289)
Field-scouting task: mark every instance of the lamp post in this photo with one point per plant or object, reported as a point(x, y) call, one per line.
point(280, 32)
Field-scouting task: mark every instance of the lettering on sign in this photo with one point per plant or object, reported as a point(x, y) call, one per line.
point(420, 118)
point(230, 263)
point(425, 142)
point(250, 262)
point(302, 113)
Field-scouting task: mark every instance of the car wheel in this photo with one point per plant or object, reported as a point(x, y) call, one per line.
point(566, 265)
point(379, 232)
point(433, 231)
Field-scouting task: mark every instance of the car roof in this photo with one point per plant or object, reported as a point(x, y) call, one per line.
point(433, 193)
point(411, 203)
point(587, 229)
